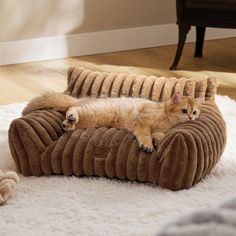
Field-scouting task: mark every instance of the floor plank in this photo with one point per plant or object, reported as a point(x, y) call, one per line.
point(21, 82)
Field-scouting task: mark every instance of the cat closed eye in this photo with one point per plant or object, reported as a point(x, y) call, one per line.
point(184, 111)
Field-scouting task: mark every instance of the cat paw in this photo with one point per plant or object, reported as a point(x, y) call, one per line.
point(72, 117)
point(69, 123)
point(68, 126)
point(146, 148)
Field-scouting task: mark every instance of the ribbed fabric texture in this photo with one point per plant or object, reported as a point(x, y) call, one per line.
point(185, 156)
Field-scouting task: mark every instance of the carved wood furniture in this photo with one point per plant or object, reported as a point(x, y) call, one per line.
point(202, 14)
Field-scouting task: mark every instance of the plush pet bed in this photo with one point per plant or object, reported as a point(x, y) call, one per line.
point(186, 154)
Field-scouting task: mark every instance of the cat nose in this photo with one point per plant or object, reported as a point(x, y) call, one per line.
point(190, 117)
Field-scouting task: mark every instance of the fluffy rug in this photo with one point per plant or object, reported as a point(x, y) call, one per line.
point(59, 205)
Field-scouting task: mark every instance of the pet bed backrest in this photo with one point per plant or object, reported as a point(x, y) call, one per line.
point(83, 82)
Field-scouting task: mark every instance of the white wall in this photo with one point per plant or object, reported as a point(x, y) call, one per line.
point(27, 19)
point(34, 30)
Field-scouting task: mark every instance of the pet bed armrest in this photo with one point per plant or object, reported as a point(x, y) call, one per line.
point(29, 137)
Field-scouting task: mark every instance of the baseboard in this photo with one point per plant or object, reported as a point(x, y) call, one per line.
point(97, 42)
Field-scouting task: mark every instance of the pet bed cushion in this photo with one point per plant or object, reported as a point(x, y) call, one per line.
point(186, 154)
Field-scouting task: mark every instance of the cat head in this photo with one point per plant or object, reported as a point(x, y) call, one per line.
point(184, 108)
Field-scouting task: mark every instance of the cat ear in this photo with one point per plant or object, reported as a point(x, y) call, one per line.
point(200, 100)
point(176, 98)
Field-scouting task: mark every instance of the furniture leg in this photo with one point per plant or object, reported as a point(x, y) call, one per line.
point(183, 30)
point(200, 34)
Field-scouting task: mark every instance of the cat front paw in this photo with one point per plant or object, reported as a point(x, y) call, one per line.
point(72, 117)
point(69, 123)
point(146, 148)
point(68, 126)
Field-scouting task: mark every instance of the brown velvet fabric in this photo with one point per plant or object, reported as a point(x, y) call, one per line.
point(185, 156)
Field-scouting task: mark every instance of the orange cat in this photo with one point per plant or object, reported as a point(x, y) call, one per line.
point(148, 120)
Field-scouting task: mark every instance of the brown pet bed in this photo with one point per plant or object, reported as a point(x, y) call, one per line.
point(185, 155)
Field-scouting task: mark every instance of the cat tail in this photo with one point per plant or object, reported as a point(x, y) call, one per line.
point(57, 101)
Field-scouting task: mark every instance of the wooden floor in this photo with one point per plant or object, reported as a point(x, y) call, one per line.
point(22, 82)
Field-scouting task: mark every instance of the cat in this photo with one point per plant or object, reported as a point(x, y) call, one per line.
point(149, 121)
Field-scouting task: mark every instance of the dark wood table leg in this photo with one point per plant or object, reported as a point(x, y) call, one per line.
point(183, 30)
point(200, 34)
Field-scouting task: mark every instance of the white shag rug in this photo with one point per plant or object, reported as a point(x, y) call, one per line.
point(61, 205)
